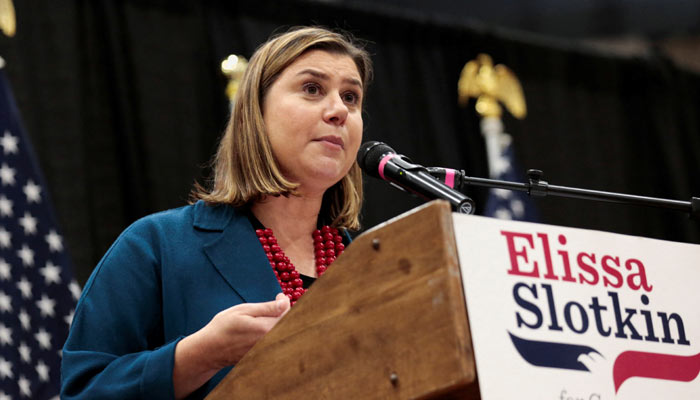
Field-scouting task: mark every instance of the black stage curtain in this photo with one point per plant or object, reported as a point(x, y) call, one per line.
point(125, 103)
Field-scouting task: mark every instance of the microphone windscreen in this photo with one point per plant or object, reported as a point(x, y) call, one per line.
point(370, 155)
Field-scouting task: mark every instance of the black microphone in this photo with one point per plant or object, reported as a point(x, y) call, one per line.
point(379, 160)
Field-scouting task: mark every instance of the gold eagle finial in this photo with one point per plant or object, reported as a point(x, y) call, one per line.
point(8, 20)
point(490, 84)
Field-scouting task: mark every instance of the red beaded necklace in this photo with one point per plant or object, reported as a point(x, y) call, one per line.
point(328, 244)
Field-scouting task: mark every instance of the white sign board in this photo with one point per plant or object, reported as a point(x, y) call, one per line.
point(563, 313)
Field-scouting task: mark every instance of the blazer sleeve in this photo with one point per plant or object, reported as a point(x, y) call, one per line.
point(116, 349)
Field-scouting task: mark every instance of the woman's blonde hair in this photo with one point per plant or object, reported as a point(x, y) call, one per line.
point(244, 168)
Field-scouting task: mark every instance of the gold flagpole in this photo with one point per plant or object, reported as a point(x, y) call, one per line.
point(8, 20)
point(233, 67)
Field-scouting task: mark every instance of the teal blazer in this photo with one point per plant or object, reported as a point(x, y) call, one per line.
point(164, 278)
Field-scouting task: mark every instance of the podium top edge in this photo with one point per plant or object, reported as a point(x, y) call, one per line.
point(435, 203)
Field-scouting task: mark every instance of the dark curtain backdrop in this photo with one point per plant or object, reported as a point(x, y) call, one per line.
point(125, 103)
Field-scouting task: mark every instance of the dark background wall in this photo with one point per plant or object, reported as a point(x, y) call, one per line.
point(124, 102)
point(571, 19)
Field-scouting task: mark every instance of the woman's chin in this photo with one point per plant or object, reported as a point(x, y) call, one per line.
point(322, 178)
point(329, 168)
point(318, 173)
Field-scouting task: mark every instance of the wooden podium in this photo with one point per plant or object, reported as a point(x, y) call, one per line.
point(388, 320)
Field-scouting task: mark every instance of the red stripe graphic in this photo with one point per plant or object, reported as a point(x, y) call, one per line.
point(654, 365)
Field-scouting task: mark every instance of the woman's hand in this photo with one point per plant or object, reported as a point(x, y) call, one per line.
point(223, 342)
point(232, 332)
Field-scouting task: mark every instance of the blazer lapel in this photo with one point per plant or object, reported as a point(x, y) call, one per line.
point(236, 253)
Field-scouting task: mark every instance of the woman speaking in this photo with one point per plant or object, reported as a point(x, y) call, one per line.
point(182, 295)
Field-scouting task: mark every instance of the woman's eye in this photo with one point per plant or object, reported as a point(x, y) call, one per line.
point(312, 89)
point(351, 98)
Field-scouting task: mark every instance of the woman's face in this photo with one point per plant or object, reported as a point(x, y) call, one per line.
point(313, 118)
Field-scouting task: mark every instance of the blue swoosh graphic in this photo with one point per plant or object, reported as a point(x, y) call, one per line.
point(550, 354)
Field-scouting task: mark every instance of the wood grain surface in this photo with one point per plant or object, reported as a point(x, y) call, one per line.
point(387, 321)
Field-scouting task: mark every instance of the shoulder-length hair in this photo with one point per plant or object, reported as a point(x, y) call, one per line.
point(244, 168)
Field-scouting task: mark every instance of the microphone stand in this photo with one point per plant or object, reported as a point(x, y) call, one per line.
point(540, 188)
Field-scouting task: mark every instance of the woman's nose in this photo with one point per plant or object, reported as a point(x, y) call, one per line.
point(336, 110)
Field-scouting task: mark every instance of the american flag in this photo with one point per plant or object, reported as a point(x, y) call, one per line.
point(37, 290)
point(507, 204)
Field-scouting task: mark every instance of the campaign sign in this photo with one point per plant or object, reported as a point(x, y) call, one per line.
point(563, 313)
